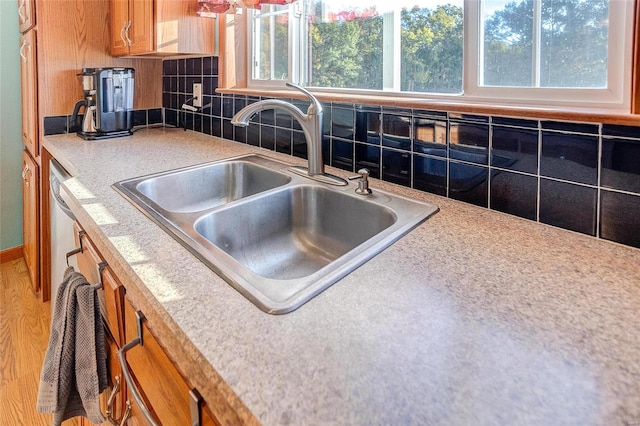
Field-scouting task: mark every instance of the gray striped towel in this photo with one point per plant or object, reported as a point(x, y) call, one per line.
point(74, 372)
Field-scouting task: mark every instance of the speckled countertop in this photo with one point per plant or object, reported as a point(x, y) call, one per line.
point(475, 317)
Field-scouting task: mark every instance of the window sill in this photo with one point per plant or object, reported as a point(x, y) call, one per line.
point(550, 113)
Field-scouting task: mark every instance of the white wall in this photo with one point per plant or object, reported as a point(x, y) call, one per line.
point(10, 128)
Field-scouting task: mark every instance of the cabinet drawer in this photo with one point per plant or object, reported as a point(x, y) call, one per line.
point(165, 393)
point(112, 294)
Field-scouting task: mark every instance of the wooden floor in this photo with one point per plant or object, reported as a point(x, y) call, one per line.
point(24, 334)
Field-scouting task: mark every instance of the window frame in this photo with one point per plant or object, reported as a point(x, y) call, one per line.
point(617, 98)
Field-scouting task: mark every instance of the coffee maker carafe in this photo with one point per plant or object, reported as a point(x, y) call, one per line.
point(108, 103)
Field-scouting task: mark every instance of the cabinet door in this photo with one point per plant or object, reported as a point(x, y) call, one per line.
point(141, 26)
point(26, 15)
point(30, 222)
point(90, 264)
point(28, 92)
point(187, 33)
point(119, 22)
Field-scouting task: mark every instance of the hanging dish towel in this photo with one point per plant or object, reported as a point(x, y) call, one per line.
point(74, 372)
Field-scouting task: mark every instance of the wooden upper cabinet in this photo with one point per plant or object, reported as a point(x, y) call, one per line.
point(159, 27)
point(26, 15)
point(28, 85)
point(30, 223)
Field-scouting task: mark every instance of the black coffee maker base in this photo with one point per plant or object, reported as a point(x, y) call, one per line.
point(94, 136)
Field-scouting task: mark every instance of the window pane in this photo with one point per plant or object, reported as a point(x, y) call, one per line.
point(573, 51)
point(545, 43)
point(508, 43)
point(271, 43)
point(348, 43)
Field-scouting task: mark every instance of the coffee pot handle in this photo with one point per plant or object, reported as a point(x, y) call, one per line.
point(76, 110)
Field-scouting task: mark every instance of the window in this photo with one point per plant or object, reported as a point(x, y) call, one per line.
point(535, 52)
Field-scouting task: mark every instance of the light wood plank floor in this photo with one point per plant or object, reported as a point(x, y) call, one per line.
point(24, 335)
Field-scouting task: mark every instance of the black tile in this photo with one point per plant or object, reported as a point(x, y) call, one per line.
point(253, 135)
point(619, 218)
point(469, 117)
point(208, 88)
point(214, 65)
point(166, 99)
point(240, 134)
point(194, 66)
point(430, 174)
point(56, 125)
point(342, 154)
point(216, 105)
point(622, 131)
point(206, 125)
point(326, 150)
point(396, 111)
point(207, 66)
point(283, 118)
point(516, 122)
point(170, 67)
point(227, 129)
point(268, 137)
point(396, 167)
point(423, 113)
point(396, 131)
point(570, 127)
point(182, 66)
point(216, 126)
point(154, 116)
point(368, 157)
point(514, 193)
point(299, 144)
point(166, 84)
point(171, 117)
point(342, 122)
point(182, 85)
point(267, 117)
point(469, 142)
point(468, 183)
point(568, 206)
point(515, 149)
point(239, 102)
point(430, 136)
point(621, 164)
point(570, 156)
point(368, 126)
point(140, 117)
point(283, 140)
point(227, 106)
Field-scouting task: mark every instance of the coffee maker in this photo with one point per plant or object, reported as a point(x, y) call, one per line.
point(108, 103)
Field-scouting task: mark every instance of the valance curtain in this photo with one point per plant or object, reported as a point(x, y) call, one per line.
point(209, 8)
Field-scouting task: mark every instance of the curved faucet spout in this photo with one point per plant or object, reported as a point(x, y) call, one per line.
point(311, 124)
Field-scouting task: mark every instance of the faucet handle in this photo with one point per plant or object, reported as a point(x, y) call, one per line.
point(363, 183)
point(316, 106)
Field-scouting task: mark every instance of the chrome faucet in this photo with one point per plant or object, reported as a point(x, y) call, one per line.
point(311, 124)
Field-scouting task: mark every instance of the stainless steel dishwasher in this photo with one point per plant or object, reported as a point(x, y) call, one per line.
point(62, 220)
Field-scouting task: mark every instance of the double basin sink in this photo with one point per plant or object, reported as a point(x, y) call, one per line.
point(276, 237)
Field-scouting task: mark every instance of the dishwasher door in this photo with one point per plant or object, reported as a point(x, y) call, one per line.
point(62, 220)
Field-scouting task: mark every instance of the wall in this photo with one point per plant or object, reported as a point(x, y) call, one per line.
point(584, 177)
point(10, 128)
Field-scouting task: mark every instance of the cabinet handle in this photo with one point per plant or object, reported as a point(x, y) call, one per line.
point(129, 42)
point(22, 55)
point(77, 250)
point(22, 16)
point(124, 26)
point(25, 175)
point(127, 374)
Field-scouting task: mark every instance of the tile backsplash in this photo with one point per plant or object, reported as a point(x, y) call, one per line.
point(584, 177)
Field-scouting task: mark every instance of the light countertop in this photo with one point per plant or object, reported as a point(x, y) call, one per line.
point(475, 317)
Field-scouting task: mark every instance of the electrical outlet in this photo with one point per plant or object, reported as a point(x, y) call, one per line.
point(197, 95)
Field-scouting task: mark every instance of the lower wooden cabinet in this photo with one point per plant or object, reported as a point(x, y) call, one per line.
point(164, 394)
point(30, 217)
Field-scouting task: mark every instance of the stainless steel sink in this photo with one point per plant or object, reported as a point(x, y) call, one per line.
point(281, 239)
point(207, 185)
